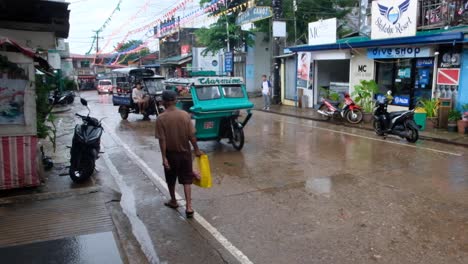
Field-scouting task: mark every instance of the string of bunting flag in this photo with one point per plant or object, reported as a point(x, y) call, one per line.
point(104, 25)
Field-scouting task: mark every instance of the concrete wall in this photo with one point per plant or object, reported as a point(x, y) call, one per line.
point(31, 39)
point(463, 87)
point(209, 62)
point(258, 62)
point(361, 68)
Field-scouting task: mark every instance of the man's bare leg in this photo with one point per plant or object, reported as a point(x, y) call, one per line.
point(188, 197)
point(171, 188)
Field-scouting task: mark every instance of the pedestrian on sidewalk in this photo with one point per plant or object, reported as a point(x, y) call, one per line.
point(175, 130)
point(266, 92)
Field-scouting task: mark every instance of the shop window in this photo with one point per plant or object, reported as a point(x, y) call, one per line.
point(409, 79)
point(84, 64)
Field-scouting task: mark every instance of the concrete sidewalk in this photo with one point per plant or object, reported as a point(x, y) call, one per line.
point(437, 135)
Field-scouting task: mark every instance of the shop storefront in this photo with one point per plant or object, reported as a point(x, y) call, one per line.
point(406, 71)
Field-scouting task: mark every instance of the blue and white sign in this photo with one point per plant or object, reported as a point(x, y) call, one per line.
point(425, 62)
point(399, 52)
point(401, 100)
point(394, 18)
point(228, 61)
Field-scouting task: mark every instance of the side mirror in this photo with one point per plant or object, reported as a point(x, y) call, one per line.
point(84, 102)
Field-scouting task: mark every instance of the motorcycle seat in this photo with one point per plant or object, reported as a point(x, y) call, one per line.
point(395, 114)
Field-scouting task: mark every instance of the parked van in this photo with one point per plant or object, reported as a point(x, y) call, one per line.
point(104, 86)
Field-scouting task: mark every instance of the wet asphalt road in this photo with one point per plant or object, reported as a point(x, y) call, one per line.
point(308, 192)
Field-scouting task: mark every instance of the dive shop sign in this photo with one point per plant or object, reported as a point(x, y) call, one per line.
point(393, 18)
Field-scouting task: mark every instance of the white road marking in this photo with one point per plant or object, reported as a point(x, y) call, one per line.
point(378, 139)
point(197, 217)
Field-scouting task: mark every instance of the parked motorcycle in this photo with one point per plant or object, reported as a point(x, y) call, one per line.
point(85, 147)
point(58, 97)
point(351, 111)
point(399, 123)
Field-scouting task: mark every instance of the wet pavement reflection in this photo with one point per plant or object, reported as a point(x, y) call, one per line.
point(86, 249)
point(310, 192)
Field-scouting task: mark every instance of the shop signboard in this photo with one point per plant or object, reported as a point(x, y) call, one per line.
point(303, 68)
point(399, 52)
point(401, 100)
point(254, 14)
point(425, 63)
point(448, 76)
point(228, 61)
point(185, 50)
point(393, 18)
point(322, 32)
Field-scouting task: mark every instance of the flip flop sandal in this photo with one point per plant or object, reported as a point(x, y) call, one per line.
point(171, 205)
point(189, 214)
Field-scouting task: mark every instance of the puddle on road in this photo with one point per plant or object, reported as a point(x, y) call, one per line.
point(128, 204)
point(93, 248)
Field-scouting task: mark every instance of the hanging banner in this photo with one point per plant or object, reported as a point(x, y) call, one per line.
point(13, 84)
point(254, 14)
point(228, 62)
point(303, 69)
point(394, 18)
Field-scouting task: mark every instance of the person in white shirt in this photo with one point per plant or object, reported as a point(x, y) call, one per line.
point(140, 98)
point(266, 92)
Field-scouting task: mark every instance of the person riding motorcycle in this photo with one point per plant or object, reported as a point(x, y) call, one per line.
point(140, 98)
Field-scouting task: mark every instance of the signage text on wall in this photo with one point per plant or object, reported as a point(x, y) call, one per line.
point(399, 52)
point(322, 32)
point(394, 18)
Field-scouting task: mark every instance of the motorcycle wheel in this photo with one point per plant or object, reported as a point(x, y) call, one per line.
point(84, 170)
point(237, 139)
point(70, 99)
point(377, 128)
point(414, 135)
point(124, 115)
point(354, 116)
point(325, 109)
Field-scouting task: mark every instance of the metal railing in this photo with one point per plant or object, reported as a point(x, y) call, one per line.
point(441, 13)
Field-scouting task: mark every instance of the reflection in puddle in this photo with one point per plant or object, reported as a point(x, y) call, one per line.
point(319, 185)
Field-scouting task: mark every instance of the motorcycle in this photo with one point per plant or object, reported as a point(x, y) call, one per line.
point(351, 111)
point(85, 147)
point(399, 123)
point(58, 97)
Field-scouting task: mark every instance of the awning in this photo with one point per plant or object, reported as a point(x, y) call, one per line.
point(155, 65)
point(456, 35)
point(284, 56)
point(176, 60)
point(40, 63)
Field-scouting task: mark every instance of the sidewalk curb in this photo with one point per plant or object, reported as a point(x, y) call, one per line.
point(427, 138)
point(21, 198)
point(60, 110)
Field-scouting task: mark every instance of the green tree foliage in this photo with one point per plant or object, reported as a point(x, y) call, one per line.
point(133, 44)
point(215, 37)
point(309, 11)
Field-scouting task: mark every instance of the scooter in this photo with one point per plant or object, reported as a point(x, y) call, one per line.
point(396, 123)
point(351, 111)
point(85, 147)
point(57, 98)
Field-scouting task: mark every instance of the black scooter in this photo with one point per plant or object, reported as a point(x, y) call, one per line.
point(397, 123)
point(58, 98)
point(85, 147)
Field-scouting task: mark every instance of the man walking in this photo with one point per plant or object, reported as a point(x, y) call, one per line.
point(175, 130)
point(266, 92)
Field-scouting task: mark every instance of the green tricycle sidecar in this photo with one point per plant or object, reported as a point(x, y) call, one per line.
point(215, 104)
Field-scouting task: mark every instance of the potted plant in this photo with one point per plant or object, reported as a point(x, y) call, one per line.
point(431, 106)
point(453, 117)
point(462, 123)
point(363, 95)
point(465, 112)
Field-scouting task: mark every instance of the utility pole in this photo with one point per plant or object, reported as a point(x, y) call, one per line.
point(295, 21)
point(277, 14)
point(227, 39)
point(97, 43)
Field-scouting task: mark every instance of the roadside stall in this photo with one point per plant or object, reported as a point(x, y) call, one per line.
point(18, 140)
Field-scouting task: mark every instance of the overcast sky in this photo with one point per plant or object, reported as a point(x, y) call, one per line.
point(89, 15)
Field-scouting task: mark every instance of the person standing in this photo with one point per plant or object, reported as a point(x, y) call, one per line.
point(266, 92)
point(174, 130)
